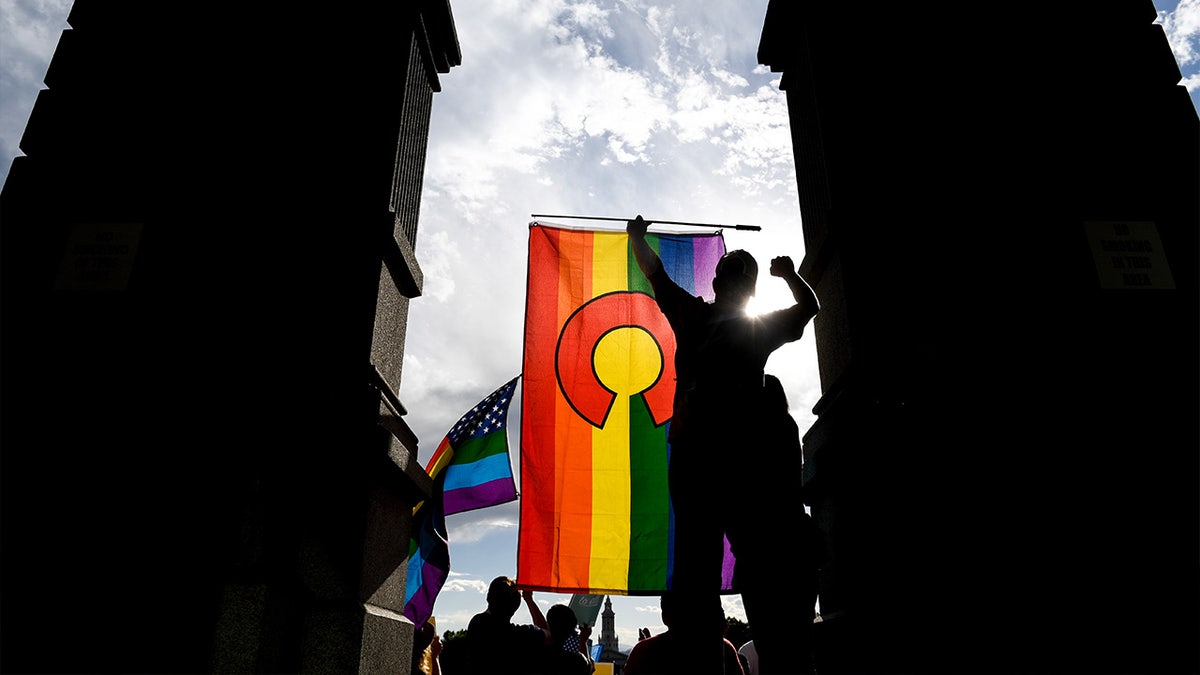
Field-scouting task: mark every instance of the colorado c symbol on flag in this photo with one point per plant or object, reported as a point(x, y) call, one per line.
point(622, 327)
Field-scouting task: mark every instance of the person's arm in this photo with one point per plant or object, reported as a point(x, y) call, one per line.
point(784, 268)
point(645, 256)
point(633, 662)
point(435, 650)
point(585, 632)
point(539, 619)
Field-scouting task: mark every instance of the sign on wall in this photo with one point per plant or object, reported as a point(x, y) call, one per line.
point(1129, 255)
point(98, 257)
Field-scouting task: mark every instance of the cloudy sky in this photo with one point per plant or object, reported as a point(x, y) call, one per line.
point(593, 107)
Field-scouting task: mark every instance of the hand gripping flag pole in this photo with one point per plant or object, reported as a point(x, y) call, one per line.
point(650, 221)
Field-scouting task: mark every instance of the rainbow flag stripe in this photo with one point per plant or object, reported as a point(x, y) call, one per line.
point(598, 382)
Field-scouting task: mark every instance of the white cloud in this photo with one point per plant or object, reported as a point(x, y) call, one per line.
point(1191, 83)
point(731, 79)
point(440, 258)
point(464, 583)
point(569, 86)
point(29, 32)
point(589, 16)
point(483, 523)
point(1182, 27)
point(732, 604)
point(31, 29)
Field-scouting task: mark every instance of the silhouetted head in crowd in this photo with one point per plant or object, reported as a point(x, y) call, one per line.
point(503, 597)
point(562, 621)
point(692, 610)
point(776, 397)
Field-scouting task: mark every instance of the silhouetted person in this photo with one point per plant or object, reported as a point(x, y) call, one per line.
point(567, 653)
point(495, 644)
point(719, 395)
point(674, 651)
point(427, 648)
point(769, 532)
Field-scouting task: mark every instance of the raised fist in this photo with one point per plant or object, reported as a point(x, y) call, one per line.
point(782, 266)
point(636, 227)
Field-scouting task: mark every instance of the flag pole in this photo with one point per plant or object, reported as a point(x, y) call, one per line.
point(650, 221)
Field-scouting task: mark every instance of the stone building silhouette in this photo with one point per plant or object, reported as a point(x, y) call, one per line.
point(1000, 215)
point(207, 258)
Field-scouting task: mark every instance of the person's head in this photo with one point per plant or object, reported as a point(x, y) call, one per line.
point(423, 635)
point(776, 396)
point(737, 275)
point(692, 611)
point(503, 597)
point(667, 604)
point(561, 620)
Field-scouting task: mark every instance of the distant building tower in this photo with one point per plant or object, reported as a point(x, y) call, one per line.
point(608, 638)
point(608, 622)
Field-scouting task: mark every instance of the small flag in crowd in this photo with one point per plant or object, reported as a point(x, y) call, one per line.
point(470, 470)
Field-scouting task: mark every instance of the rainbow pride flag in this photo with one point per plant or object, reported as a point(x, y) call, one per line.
point(470, 470)
point(473, 457)
point(599, 379)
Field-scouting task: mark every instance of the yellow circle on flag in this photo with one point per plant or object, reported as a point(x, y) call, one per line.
point(627, 360)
